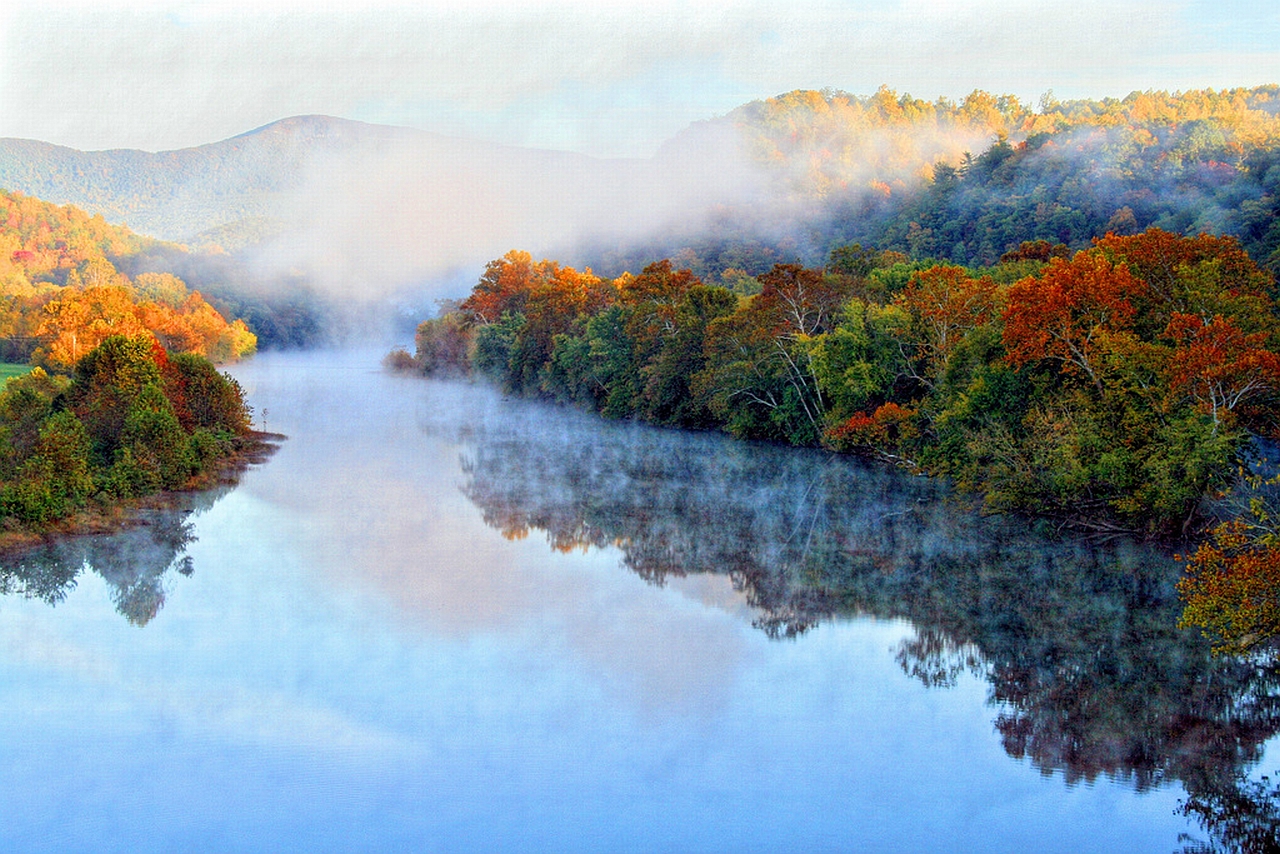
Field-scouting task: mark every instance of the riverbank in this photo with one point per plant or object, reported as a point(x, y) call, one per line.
point(253, 448)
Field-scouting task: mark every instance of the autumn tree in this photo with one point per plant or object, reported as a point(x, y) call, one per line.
point(504, 287)
point(1224, 370)
point(1167, 262)
point(944, 303)
point(552, 307)
point(1080, 391)
point(667, 396)
point(1073, 313)
point(441, 344)
point(1232, 583)
point(132, 421)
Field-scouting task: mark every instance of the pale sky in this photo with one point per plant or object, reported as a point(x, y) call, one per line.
point(607, 79)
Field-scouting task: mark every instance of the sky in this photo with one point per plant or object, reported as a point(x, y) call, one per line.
point(607, 79)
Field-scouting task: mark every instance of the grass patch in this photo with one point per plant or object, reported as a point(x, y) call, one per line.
point(8, 370)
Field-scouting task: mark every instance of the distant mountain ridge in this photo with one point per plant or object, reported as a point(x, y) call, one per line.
point(785, 178)
point(230, 191)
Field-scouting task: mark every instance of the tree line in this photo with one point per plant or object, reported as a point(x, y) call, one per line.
point(971, 180)
point(1117, 388)
point(62, 294)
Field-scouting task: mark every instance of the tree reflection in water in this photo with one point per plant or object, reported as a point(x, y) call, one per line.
point(1077, 639)
point(134, 561)
point(1242, 816)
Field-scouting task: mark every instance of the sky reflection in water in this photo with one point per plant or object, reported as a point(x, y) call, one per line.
point(379, 649)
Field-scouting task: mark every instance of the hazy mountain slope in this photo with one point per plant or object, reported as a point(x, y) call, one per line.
point(235, 190)
point(362, 209)
point(169, 194)
point(969, 181)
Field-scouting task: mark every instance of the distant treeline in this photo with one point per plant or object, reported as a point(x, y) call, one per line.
point(967, 182)
point(69, 280)
point(1115, 388)
point(61, 294)
point(283, 313)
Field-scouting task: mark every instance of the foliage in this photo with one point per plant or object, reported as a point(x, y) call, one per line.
point(1115, 388)
point(62, 294)
point(970, 181)
point(130, 422)
point(1232, 584)
point(441, 345)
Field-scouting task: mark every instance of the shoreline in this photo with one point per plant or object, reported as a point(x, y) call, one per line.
point(255, 448)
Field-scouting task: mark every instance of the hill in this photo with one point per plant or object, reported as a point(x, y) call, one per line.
point(62, 293)
point(363, 210)
point(177, 195)
point(969, 181)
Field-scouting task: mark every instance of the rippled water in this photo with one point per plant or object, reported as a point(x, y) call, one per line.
point(441, 620)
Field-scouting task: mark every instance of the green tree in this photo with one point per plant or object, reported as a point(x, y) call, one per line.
point(667, 397)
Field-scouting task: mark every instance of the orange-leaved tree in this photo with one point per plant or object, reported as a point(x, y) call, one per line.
point(1074, 312)
point(504, 286)
point(1223, 369)
point(944, 303)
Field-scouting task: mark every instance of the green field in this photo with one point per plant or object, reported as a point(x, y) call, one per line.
point(8, 369)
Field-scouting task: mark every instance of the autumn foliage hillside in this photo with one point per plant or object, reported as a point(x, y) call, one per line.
point(61, 294)
point(968, 181)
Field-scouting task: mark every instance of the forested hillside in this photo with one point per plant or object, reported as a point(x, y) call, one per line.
point(177, 195)
point(62, 294)
point(124, 400)
point(969, 181)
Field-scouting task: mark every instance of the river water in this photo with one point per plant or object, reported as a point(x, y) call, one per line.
point(439, 620)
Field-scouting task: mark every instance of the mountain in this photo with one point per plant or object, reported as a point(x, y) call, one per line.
point(233, 190)
point(361, 208)
point(972, 180)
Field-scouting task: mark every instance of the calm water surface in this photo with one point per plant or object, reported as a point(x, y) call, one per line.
point(441, 620)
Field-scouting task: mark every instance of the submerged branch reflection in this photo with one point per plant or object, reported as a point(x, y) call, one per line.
point(1076, 639)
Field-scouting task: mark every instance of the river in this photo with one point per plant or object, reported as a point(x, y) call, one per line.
point(441, 620)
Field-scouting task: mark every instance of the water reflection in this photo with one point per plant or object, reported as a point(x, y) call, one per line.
point(135, 561)
point(1076, 639)
point(1243, 815)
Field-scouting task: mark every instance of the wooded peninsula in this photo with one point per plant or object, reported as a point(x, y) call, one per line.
point(123, 400)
